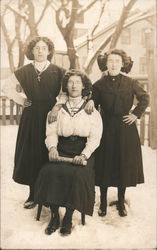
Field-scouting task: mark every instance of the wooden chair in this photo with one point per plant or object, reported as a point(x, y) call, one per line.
point(39, 212)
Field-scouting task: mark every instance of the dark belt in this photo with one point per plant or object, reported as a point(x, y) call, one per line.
point(72, 137)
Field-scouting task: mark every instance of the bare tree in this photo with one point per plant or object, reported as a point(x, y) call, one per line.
point(113, 37)
point(119, 27)
point(94, 28)
point(24, 16)
point(67, 13)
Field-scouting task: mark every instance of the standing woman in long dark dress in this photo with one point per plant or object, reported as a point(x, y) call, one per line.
point(119, 158)
point(41, 84)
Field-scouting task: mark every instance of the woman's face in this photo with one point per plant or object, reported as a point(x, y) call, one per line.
point(75, 86)
point(114, 64)
point(40, 51)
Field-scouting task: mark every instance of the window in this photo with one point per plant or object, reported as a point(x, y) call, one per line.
point(79, 32)
point(126, 36)
point(143, 65)
point(80, 18)
point(143, 37)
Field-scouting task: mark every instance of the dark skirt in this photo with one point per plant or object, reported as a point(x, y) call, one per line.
point(119, 157)
point(31, 152)
point(67, 184)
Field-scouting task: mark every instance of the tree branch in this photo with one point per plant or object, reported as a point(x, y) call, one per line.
point(9, 44)
point(88, 64)
point(100, 15)
point(58, 22)
point(86, 7)
point(17, 13)
point(121, 21)
point(43, 11)
point(72, 21)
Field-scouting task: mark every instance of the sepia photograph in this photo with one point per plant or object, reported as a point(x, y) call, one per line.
point(78, 125)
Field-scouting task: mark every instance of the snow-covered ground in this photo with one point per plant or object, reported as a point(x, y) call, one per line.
point(20, 230)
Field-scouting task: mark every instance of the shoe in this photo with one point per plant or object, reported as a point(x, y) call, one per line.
point(66, 225)
point(53, 225)
point(101, 212)
point(66, 229)
point(29, 204)
point(103, 209)
point(121, 209)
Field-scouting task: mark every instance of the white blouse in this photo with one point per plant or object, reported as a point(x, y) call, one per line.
point(9, 89)
point(81, 124)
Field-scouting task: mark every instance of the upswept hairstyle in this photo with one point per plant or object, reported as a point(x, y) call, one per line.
point(32, 43)
point(127, 62)
point(86, 92)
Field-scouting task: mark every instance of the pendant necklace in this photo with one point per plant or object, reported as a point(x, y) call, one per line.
point(39, 72)
point(74, 109)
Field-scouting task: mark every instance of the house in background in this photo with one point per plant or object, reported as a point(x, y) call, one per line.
point(132, 40)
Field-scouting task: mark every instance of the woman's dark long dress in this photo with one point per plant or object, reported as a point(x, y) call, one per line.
point(67, 184)
point(119, 158)
point(31, 152)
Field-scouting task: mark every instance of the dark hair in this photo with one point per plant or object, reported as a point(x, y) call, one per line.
point(32, 44)
point(85, 80)
point(127, 62)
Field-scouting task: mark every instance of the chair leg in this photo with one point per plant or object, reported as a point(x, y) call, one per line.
point(83, 218)
point(39, 211)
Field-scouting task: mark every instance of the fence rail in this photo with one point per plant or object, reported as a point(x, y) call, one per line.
point(11, 113)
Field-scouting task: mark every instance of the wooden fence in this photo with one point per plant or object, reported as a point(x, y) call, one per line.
point(11, 114)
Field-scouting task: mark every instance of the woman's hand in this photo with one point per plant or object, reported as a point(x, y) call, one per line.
point(52, 116)
point(53, 154)
point(80, 160)
point(27, 103)
point(129, 119)
point(89, 108)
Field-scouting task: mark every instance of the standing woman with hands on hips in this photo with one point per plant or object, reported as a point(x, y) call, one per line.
point(118, 158)
point(41, 84)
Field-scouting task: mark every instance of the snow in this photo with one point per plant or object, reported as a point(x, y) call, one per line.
point(20, 230)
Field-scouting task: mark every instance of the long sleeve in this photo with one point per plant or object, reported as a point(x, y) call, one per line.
point(96, 94)
point(142, 97)
point(51, 134)
point(61, 98)
point(9, 90)
point(93, 140)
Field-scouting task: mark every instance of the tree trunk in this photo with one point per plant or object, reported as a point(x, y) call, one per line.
point(21, 55)
point(151, 63)
point(89, 63)
point(72, 54)
point(11, 60)
point(122, 19)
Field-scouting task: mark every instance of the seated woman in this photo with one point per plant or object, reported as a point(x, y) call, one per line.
point(75, 134)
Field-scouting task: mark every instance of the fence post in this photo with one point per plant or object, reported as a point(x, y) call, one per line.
point(142, 129)
point(17, 113)
point(11, 112)
point(3, 111)
point(148, 128)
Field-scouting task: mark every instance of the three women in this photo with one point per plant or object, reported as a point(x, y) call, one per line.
point(76, 134)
